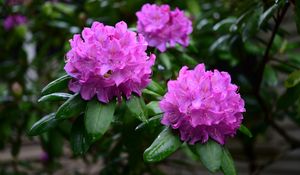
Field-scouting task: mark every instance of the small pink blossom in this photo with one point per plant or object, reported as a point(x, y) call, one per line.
point(108, 61)
point(13, 21)
point(202, 104)
point(14, 2)
point(161, 26)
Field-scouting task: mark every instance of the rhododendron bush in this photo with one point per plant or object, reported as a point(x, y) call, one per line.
point(138, 87)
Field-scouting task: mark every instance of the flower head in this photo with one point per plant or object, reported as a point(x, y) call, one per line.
point(202, 104)
point(161, 26)
point(107, 62)
point(13, 21)
point(14, 2)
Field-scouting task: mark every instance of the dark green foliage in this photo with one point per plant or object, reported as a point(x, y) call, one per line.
point(137, 107)
point(245, 38)
point(79, 138)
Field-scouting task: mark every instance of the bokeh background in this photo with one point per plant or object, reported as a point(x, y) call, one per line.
point(256, 41)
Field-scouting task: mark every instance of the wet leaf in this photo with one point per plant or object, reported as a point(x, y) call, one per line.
point(43, 125)
point(163, 146)
point(210, 154)
point(56, 85)
point(71, 108)
point(98, 117)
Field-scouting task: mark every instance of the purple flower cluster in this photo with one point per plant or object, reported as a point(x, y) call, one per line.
point(108, 62)
point(202, 104)
point(161, 26)
point(14, 2)
point(13, 21)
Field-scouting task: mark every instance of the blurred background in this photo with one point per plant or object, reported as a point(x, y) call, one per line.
point(256, 41)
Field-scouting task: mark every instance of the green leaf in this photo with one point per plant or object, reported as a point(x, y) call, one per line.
point(267, 14)
point(152, 121)
point(188, 60)
point(166, 60)
point(71, 108)
point(270, 76)
point(79, 140)
point(55, 143)
point(245, 131)
point(210, 155)
point(136, 106)
point(154, 94)
point(43, 125)
point(219, 42)
point(227, 165)
point(56, 85)
point(229, 20)
point(193, 7)
point(251, 26)
point(293, 79)
point(153, 108)
point(289, 98)
point(57, 96)
point(163, 146)
point(155, 87)
point(97, 118)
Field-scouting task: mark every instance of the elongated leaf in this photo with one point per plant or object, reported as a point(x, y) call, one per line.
point(56, 85)
point(71, 108)
point(43, 125)
point(163, 146)
point(270, 76)
point(189, 60)
point(210, 155)
point(221, 23)
point(79, 139)
point(55, 143)
point(154, 94)
point(227, 165)
point(166, 60)
point(57, 96)
point(152, 121)
point(137, 107)
point(97, 118)
point(267, 14)
point(219, 42)
point(293, 79)
point(245, 131)
point(289, 98)
point(153, 108)
point(251, 25)
point(155, 87)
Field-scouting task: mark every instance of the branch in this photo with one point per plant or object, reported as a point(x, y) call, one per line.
point(266, 57)
point(269, 162)
point(285, 63)
point(268, 118)
point(295, 143)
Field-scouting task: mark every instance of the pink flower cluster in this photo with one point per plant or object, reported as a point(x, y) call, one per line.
point(161, 26)
point(202, 104)
point(14, 2)
point(108, 62)
point(13, 21)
